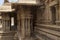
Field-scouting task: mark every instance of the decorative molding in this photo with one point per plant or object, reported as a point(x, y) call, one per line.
point(50, 26)
point(6, 8)
point(52, 3)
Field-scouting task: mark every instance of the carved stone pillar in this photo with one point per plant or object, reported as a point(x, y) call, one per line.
point(24, 22)
point(57, 14)
point(21, 27)
point(48, 14)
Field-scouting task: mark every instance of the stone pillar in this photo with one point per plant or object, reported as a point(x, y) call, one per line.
point(59, 9)
point(57, 14)
point(48, 14)
point(24, 18)
point(21, 27)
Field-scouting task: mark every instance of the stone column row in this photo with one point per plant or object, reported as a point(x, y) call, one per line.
point(5, 20)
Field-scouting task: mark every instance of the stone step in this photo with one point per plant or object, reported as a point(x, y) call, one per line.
point(47, 35)
point(6, 38)
point(8, 35)
point(53, 32)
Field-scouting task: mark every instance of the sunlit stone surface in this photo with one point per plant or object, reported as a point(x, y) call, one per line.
point(27, 1)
